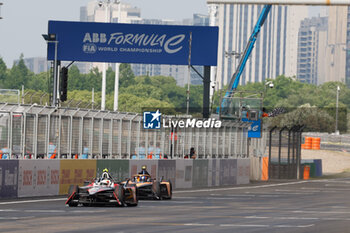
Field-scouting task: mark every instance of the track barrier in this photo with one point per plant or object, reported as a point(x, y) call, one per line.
point(29, 178)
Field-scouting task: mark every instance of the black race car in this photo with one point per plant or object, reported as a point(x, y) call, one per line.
point(148, 188)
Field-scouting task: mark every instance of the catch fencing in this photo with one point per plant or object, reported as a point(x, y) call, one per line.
point(285, 152)
point(34, 132)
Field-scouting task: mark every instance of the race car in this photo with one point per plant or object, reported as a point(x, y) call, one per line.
point(148, 188)
point(103, 191)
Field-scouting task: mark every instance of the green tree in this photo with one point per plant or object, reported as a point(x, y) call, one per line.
point(3, 72)
point(39, 82)
point(126, 76)
point(19, 75)
point(314, 119)
point(110, 78)
point(75, 79)
point(196, 98)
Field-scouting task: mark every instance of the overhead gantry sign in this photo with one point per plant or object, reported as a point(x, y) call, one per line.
point(283, 2)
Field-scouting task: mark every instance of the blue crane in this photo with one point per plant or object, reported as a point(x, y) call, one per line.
point(226, 103)
point(248, 50)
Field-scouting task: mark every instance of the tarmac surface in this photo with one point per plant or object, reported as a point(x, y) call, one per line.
point(292, 206)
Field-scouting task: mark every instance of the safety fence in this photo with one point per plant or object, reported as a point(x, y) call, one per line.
point(285, 152)
point(32, 131)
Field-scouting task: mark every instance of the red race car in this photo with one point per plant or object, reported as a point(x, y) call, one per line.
point(103, 190)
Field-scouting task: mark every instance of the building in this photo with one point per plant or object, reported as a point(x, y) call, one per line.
point(180, 73)
point(312, 41)
point(347, 71)
point(275, 51)
point(94, 12)
point(176, 71)
point(36, 64)
point(336, 50)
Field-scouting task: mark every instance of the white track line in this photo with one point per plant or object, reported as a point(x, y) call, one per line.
point(276, 226)
point(320, 212)
point(197, 224)
point(242, 225)
point(240, 188)
point(32, 201)
point(16, 218)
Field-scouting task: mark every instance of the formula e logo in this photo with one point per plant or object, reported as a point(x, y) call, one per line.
point(255, 128)
point(151, 120)
point(89, 48)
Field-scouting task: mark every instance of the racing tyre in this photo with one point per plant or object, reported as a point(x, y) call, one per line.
point(73, 190)
point(119, 191)
point(156, 190)
point(136, 200)
point(171, 189)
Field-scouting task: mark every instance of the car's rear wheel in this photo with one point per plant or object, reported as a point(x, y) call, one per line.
point(135, 194)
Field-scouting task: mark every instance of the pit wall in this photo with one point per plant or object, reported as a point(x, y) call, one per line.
point(30, 178)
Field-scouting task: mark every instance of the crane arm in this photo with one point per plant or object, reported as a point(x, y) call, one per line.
point(248, 50)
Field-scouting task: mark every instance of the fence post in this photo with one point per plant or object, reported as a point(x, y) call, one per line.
point(23, 136)
point(138, 139)
point(59, 136)
point(279, 151)
point(130, 136)
point(120, 136)
point(110, 138)
point(300, 131)
point(270, 146)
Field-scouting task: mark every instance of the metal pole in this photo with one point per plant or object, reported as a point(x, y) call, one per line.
point(116, 87)
point(117, 65)
point(280, 151)
point(92, 98)
point(9, 143)
point(22, 94)
point(206, 92)
point(103, 95)
point(189, 75)
point(212, 18)
point(55, 81)
point(110, 139)
point(336, 112)
point(59, 136)
point(300, 131)
point(103, 92)
point(270, 151)
point(23, 136)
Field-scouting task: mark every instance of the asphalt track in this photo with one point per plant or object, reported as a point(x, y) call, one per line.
point(292, 206)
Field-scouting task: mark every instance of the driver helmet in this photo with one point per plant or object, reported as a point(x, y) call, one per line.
point(105, 183)
point(143, 178)
point(105, 174)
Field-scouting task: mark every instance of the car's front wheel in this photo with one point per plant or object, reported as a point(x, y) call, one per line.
point(156, 190)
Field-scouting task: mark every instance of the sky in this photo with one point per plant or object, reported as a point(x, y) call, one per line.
point(24, 21)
